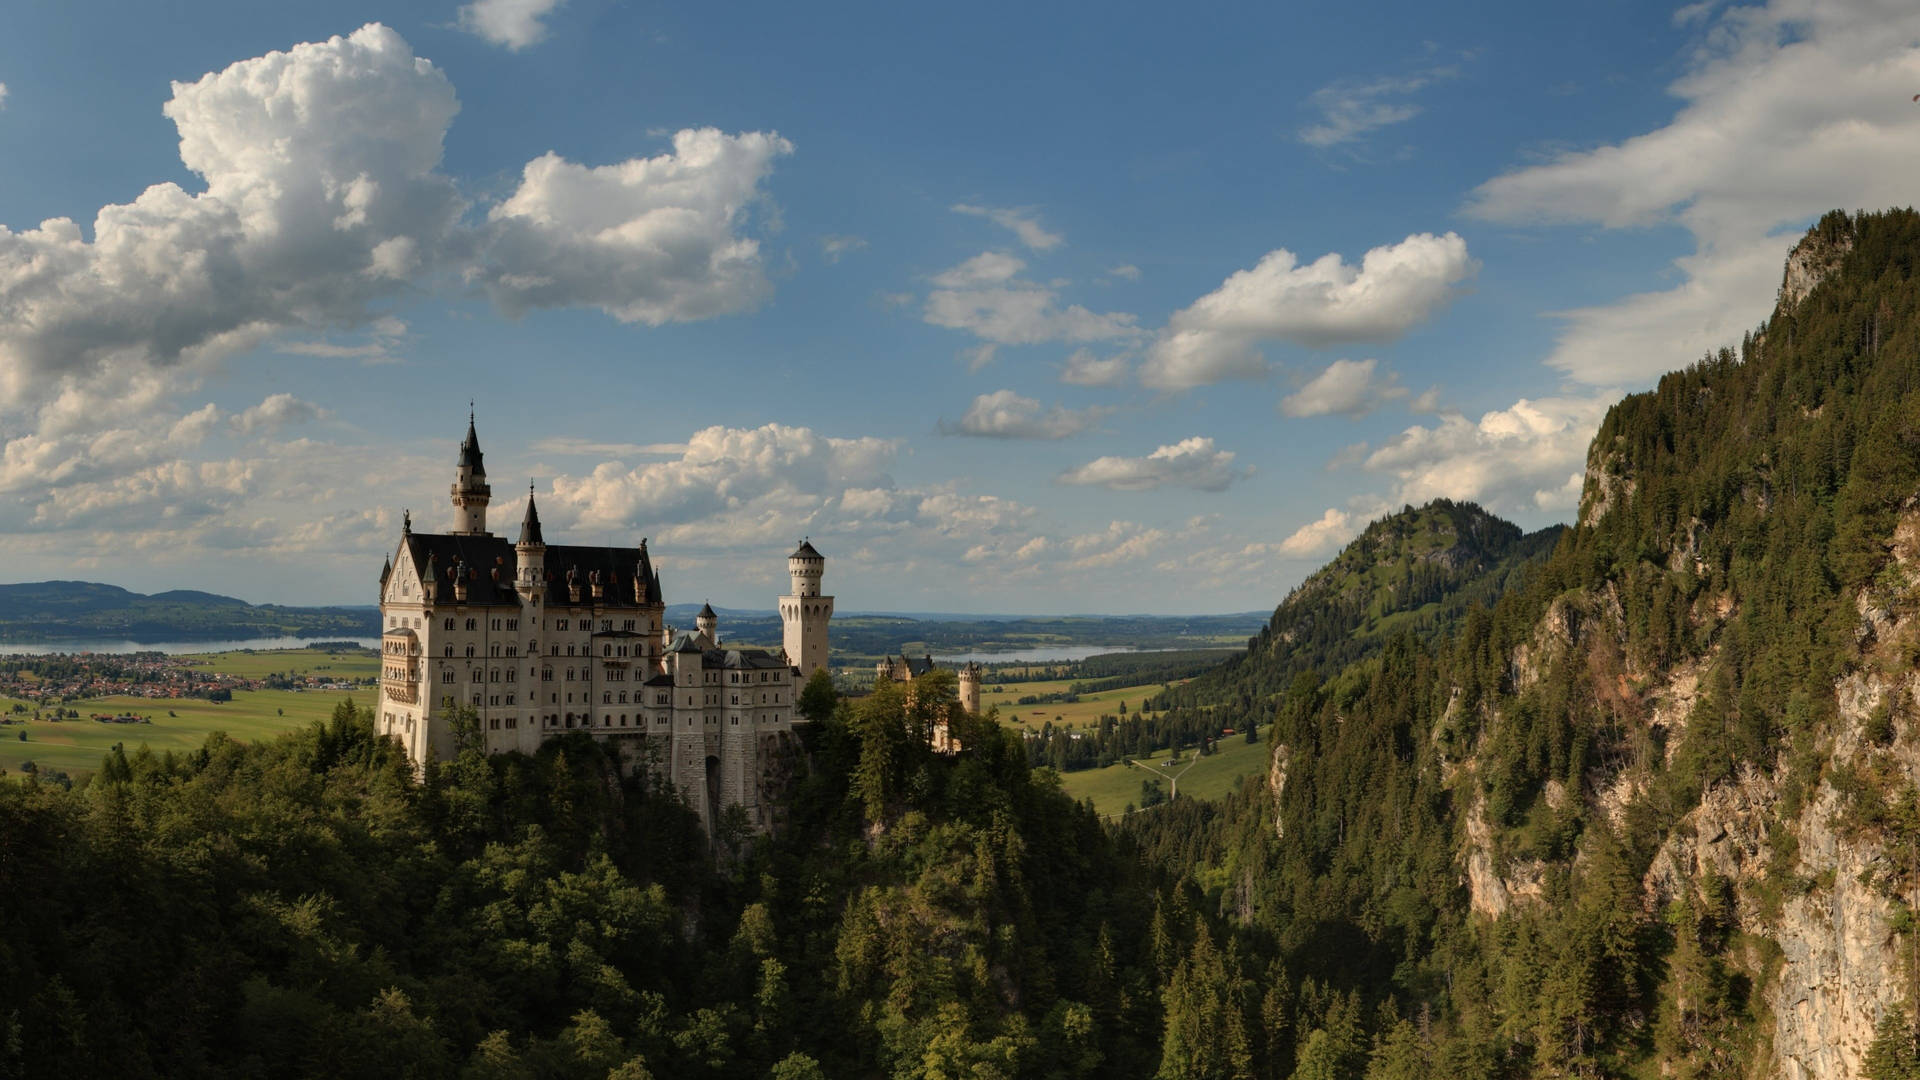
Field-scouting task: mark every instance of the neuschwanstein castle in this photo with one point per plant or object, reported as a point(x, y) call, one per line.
point(539, 640)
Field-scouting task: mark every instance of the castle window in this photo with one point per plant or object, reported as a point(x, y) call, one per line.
point(448, 625)
point(469, 650)
point(623, 719)
point(448, 651)
point(476, 699)
point(496, 649)
point(606, 625)
point(556, 650)
point(511, 672)
point(559, 624)
point(546, 674)
point(569, 650)
point(735, 721)
point(446, 676)
point(628, 625)
point(606, 721)
point(510, 720)
point(513, 650)
point(493, 624)
point(509, 699)
point(569, 674)
point(623, 697)
point(473, 624)
point(606, 650)
point(736, 699)
point(494, 675)
point(606, 698)
point(513, 624)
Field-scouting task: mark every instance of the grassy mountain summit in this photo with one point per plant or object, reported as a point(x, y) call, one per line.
point(1417, 570)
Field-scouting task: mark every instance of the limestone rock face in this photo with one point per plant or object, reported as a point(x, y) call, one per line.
point(1840, 969)
point(1810, 261)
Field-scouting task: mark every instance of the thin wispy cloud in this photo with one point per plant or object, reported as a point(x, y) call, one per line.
point(1023, 220)
point(1350, 110)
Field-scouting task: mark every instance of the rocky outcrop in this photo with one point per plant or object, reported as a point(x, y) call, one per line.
point(1840, 961)
point(1809, 263)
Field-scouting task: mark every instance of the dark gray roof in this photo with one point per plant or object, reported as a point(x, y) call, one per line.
point(684, 643)
point(480, 556)
point(756, 659)
point(470, 449)
point(805, 551)
point(530, 524)
point(706, 612)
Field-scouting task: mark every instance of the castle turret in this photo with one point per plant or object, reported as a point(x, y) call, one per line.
point(470, 490)
point(530, 551)
point(805, 612)
point(970, 687)
point(708, 624)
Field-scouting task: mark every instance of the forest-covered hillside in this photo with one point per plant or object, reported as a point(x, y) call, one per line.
point(1416, 571)
point(1654, 812)
point(77, 610)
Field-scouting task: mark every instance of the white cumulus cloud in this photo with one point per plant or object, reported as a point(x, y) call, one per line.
point(1004, 414)
point(1346, 387)
point(1329, 531)
point(1191, 462)
point(650, 240)
point(986, 297)
point(514, 24)
point(1083, 368)
point(768, 480)
point(1326, 302)
point(1528, 457)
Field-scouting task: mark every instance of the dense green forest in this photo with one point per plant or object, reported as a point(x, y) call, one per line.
point(1502, 835)
point(1740, 524)
point(1417, 571)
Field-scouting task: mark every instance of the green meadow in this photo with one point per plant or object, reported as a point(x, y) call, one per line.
point(1113, 787)
point(183, 724)
point(1088, 710)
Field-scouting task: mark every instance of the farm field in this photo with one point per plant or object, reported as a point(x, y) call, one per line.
point(1113, 787)
point(74, 746)
point(260, 664)
point(1086, 711)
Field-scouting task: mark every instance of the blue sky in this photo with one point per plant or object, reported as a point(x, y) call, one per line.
point(1012, 308)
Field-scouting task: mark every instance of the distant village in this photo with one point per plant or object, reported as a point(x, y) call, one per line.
point(61, 678)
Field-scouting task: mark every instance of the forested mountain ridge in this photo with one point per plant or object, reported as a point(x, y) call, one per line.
point(64, 610)
point(1415, 570)
point(1654, 812)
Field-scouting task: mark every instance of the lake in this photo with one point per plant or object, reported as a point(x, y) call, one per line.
point(1042, 654)
point(173, 647)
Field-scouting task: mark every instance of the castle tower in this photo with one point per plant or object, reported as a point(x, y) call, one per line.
point(708, 623)
point(530, 555)
point(805, 612)
point(470, 490)
point(970, 688)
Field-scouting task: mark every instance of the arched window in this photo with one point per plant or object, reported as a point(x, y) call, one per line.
point(473, 624)
point(449, 625)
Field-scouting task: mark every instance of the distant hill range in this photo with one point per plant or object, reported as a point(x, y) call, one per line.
point(53, 611)
point(872, 634)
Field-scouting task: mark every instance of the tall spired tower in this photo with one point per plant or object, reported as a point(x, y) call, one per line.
point(470, 490)
point(805, 612)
